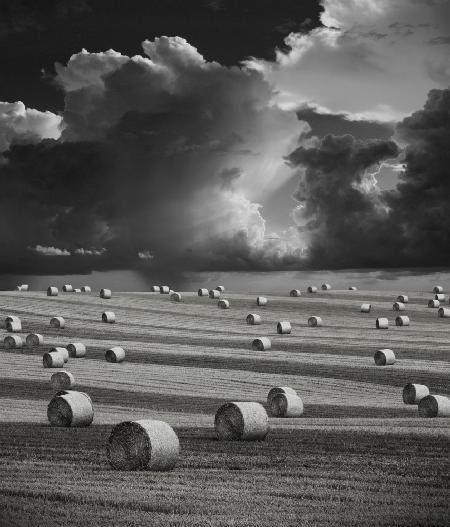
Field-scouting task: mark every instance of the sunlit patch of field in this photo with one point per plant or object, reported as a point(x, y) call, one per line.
point(358, 456)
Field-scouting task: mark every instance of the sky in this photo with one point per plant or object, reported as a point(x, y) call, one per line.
point(223, 135)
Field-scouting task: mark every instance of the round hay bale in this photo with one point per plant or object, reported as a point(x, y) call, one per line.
point(155, 289)
point(86, 289)
point(438, 289)
point(203, 292)
point(279, 389)
point(108, 317)
point(12, 342)
point(76, 350)
point(284, 327)
point(115, 354)
point(214, 294)
point(244, 421)
point(261, 344)
point(365, 308)
point(175, 297)
point(261, 301)
point(14, 326)
point(76, 290)
point(64, 352)
point(403, 298)
point(312, 289)
point(71, 408)
point(57, 322)
point(67, 288)
point(253, 319)
point(402, 320)
point(434, 406)
point(52, 291)
point(326, 287)
point(414, 393)
point(440, 297)
point(295, 292)
point(398, 306)
point(220, 288)
point(384, 357)
point(62, 380)
point(352, 288)
point(224, 304)
point(443, 312)
point(145, 444)
point(53, 359)
point(23, 287)
point(34, 339)
point(11, 318)
point(105, 293)
point(433, 303)
point(286, 405)
point(314, 322)
point(382, 323)
point(164, 289)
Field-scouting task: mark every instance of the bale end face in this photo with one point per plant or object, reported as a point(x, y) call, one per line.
point(53, 359)
point(253, 319)
point(76, 349)
point(202, 292)
point(105, 293)
point(116, 354)
point(214, 294)
point(434, 406)
point(244, 421)
point(295, 292)
point(284, 327)
point(52, 291)
point(12, 342)
point(261, 301)
point(384, 357)
point(108, 317)
point(433, 303)
point(58, 322)
point(402, 321)
point(62, 380)
point(261, 344)
point(314, 322)
point(414, 393)
point(175, 297)
point(34, 339)
point(382, 323)
point(279, 389)
point(286, 405)
point(223, 304)
point(72, 409)
point(312, 289)
point(443, 312)
point(326, 287)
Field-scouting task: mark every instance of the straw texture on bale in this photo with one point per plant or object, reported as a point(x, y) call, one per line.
point(433, 303)
point(52, 291)
point(155, 289)
point(203, 292)
point(76, 350)
point(67, 288)
point(261, 344)
point(443, 312)
point(279, 389)
point(438, 289)
point(53, 359)
point(312, 289)
point(434, 406)
point(326, 287)
point(164, 289)
point(402, 320)
point(108, 317)
point(57, 322)
point(12, 342)
point(224, 304)
point(115, 354)
point(105, 293)
point(384, 357)
point(145, 444)
point(214, 293)
point(414, 393)
point(14, 327)
point(261, 301)
point(253, 319)
point(62, 380)
point(284, 327)
point(64, 352)
point(86, 289)
point(365, 308)
point(220, 288)
point(440, 297)
point(314, 322)
point(295, 292)
point(382, 323)
point(244, 421)
point(403, 298)
point(70, 408)
point(286, 405)
point(352, 288)
point(34, 339)
point(176, 297)
point(398, 306)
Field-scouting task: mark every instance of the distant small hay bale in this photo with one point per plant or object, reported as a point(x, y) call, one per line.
point(326, 287)
point(22, 287)
point(312, 289)
point(261, 344)
point(352, 288)
point(76, 290)
point(62, 380)
point(175, 297)
point(253, 319)
point(64, 352)
point(220, 288)
point(314, 322)
point(14, 326)
point(76, 350)
point(109, 317)
point(402, 321)
point(34, 339)
point(443, 312)
point(12, 342)
point(295, 292)
point(365, 308)
point(440, 297)
point(155, 289)
point(241, 421)
point(223, 304)
point(67, 288)
point(71, 408)
point(433, 303)
point(284, 327)
point(214, 294)
point(261, 301)
point(438, 289)
point(115, 354)
point(403, 298)
point(414, 393)
point(86, 289)
point(286, 405)
point(52, 291)
point(384, 357)
point(58, 322)
point(203, 292)
point(434, 406)
point(144, 444)
point(279, 389)
point(105, 293)
point(53, 359)
point(164, 289)
point(382, 323)
point(398, 306)
point(18, 288)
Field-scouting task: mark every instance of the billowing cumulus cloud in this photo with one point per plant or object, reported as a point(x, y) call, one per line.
point(51, 251)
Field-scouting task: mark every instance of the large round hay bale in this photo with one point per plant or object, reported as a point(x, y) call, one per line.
point(220, 288)
point(164, 289)
point(105, 293)
point(261, 344)
point(62, 380)
point(76, 350)
point(214, 294)
point(261, 301)
point(365, 308)
point(352, 288)
point(433, 303)
point(34, 339)
point(145, 444)
point(414, 393)
point(155, 289)
point(86, 289)
point(384, 357)
point(438, 289)
point(11, 318)
point(314, 322)
point(279, 389)
point(175, 297)
point(326, 287)
point(312, 289)
point(203, 292)
point(284, 327)
point(443, 312)
point(286, 405)
point(295, 292)
point(402, 321)
point(52, 291)
point(245, 421)
point(440, 297)
point(71, 408)
point(115, 354)
point(223, 304)
point(434, 406)
point(398, 306)
point(382, 323)
point(53, 359)
point(108, 317)
point(12, 342)
point(64, 352)
point(14, 326)
point(67, 288)
point(403, 299)
point(57, 322)
point(253, 319)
